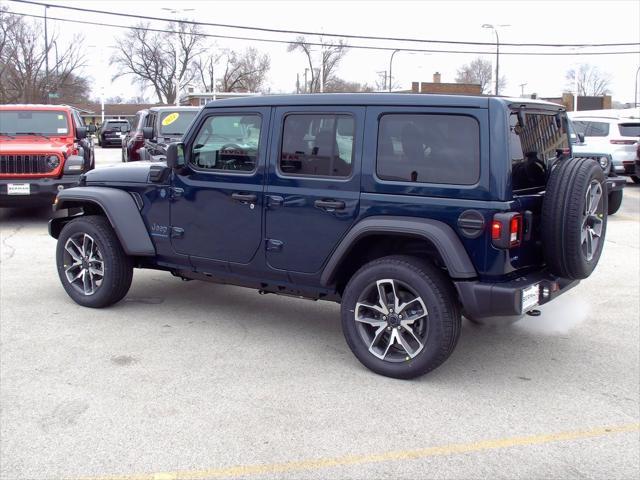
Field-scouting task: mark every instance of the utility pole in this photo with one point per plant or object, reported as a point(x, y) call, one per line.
point(384, 74)
point(297, 83)
point(306, 90)
point(46, 50)
point(495, 30)
point(522, 85)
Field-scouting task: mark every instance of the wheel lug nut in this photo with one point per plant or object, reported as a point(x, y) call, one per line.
point(384, 317)
point(400, 317)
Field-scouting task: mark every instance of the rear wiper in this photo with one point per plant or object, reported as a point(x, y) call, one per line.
point(34, 133)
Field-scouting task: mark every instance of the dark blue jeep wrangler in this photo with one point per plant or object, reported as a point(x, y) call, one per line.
point(409, 210)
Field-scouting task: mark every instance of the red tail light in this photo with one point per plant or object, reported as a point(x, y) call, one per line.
point(506, 230)
point(623, 142)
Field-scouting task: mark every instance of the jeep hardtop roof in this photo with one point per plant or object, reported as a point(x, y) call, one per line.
point(391, 99)
point(174, 109)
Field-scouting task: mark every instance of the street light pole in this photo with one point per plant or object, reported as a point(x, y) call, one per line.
point(176, 79)
point(495, 30)
point(390, 68)
point(635, 92)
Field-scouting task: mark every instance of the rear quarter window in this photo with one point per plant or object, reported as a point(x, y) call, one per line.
point(629, 129)
point(429, 148)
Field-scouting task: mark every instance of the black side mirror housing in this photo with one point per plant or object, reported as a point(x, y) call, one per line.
point(91, 128)
point(581, 137)
point(175, 155)
point(81, 132)
point(147, 132)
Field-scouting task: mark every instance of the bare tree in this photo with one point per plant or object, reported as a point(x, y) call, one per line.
point(23, 74)
point(151, 56)
point(479, 72)
point(330, 53)
point(339, 85)
point(591, 81)
point(242, 71)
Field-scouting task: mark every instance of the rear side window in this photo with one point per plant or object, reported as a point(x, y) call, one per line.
point(592, 129)
point(429, 148)
point(629, 129)
point(317, 145)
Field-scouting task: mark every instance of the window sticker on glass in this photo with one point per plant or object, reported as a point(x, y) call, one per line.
point(62, 130)
point(60, 117)
point(169, 119)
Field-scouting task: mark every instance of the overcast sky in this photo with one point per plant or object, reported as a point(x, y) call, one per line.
point(539, 21)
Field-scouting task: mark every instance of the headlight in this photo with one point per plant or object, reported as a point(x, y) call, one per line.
point(52, 162)
point(604, 162)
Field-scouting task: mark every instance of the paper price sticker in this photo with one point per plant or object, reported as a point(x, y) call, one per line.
point(169, 119)
point(60, 117)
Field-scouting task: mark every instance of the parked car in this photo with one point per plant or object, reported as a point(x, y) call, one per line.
point(616, 182)
point(408, 210)
point(156, 128)
point(133, 140)
point(619, 136)
point(112, 131)
point(43, 150)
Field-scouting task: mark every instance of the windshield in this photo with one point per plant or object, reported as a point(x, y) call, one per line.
point(30, 122)
point(176, 123)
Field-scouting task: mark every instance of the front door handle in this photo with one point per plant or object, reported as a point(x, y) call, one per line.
point(244, 197)
point(330, 205)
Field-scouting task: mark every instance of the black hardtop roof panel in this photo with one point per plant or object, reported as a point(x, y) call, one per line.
point(354, 99)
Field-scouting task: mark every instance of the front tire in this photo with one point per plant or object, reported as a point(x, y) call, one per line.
point(400, 316)
point(615, 200)
point(92, 266)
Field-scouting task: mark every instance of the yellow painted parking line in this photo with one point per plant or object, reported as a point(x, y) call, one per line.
point(315, 464)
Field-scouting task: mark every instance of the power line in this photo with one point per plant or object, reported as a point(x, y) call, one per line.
point(322, 34)
point(326, 45)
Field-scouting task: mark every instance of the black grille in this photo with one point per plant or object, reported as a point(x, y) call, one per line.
point(24, 164)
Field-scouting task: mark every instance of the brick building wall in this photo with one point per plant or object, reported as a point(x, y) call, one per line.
point(449, 88)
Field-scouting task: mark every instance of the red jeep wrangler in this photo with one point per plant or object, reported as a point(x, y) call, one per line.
point(43, 149)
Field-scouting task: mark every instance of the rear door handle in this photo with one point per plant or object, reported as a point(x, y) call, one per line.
point(244, 197)
point(330, 204)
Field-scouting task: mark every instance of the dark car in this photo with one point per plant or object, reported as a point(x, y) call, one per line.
point(408, 210)
point(157, 127)
point(43, 149)
point(111, 132)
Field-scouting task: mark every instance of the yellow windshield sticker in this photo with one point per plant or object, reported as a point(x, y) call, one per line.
point(60, 117)
point(169, 119)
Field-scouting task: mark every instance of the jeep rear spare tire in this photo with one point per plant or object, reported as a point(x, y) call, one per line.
point(574, 218)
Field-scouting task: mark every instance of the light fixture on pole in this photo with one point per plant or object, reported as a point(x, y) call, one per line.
point(176, 79)
point(495, 30)
point(391, 63)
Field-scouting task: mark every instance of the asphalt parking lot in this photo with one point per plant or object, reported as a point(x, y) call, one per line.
point(194, 380)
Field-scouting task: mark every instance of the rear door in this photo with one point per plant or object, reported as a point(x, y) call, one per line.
point(313, 192)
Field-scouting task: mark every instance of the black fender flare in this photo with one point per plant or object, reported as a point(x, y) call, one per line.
point(121, 211)
point(438, 233)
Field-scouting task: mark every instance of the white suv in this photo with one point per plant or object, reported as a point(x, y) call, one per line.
point(610, 133)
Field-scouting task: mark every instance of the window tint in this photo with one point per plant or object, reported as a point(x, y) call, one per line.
point(533, 146)
point(592, 129)
point(429, 148)
point(630, 129)
point(317, 145)
point(228, 143)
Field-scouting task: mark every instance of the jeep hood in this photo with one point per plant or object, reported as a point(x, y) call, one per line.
point(134, 172)
point(20, 146)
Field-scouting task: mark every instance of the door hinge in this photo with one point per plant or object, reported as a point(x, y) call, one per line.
point(176, 192)
point(177, 232)
point(274, 245)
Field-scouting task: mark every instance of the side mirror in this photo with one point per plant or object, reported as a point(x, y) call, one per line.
point(81, 132)
point(581, 137)
point(175, 155)
point(92, 128)
point(147, 132)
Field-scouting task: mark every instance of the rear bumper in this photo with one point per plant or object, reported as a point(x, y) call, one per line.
point(484, 299)
point(111, 141)
point(42, 191)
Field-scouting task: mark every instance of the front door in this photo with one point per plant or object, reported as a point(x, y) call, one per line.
point(313, 192)
point(217, 199)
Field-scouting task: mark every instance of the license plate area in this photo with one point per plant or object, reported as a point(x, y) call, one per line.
point(530, 297)
point(18, 189)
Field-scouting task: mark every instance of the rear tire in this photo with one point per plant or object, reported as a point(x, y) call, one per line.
point(615, 200)
point(414, 329)
point(92, 266)
point(574, 218)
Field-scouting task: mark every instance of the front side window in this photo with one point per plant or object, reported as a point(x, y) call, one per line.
point(227, 143)
point(34, 122)
point(317, 145)
point(429, 148)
